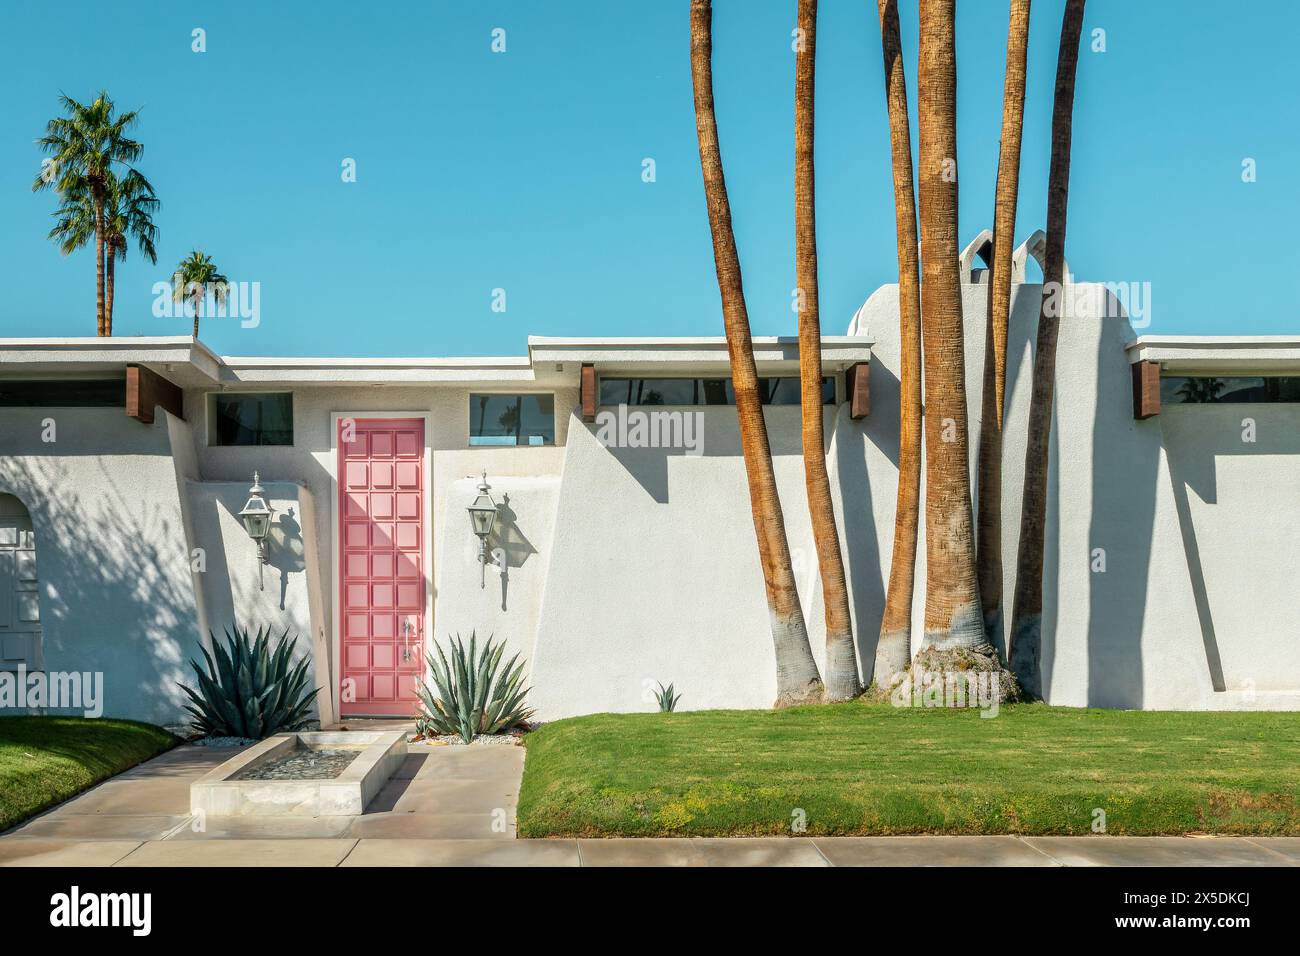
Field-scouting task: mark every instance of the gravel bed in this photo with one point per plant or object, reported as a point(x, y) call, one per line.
point(483, 740)
point(223, 741)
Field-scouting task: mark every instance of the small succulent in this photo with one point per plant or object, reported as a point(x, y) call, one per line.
point(472, 693)
point(249, 689)
point(666, 698)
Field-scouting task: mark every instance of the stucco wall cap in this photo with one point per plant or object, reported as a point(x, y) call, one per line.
point(1211, 354)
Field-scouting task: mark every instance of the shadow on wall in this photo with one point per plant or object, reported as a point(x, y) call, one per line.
point(285, 550)
point(717, 432)
point(1193, 451)
point(1125, 468)
point(1022, 334)
point(219, 601)
point(861, 545)
point(508, 546)
point(709, 430)
point(114, 577)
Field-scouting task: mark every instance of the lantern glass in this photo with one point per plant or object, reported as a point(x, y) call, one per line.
point(257, 525)
point(483, 513)
point(256, 517)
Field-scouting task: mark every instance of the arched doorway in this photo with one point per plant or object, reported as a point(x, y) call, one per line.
point(20, 614)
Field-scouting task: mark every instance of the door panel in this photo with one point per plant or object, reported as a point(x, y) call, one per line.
point(382, 564)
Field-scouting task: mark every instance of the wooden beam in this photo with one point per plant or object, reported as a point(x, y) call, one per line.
point(857, 381)
point(588, 392)
point(146, 389)
point(1146, 389)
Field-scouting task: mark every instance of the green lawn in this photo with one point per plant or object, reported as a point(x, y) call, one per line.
point(875, 769)
point(47, 759)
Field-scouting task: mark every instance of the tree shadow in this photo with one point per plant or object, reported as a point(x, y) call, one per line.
point(861, 544)
point(717, 431)
point(115, 589)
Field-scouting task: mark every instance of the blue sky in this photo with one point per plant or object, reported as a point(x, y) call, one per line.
point(522, 170)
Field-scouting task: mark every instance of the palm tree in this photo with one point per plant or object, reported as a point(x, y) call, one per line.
point(952, 609)
point(195, 277)
point(988, 530)
point(841, 654)
point(797, 679)
point(1201, 390)
point(894, 650)
point(129, 205)
point(84, 149)
point(1027, 607)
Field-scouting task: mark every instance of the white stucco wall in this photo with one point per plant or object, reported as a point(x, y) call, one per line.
point(310, 461)
point(506, 605)
point(116, 595)
point(1239, 516)
point(655, 574)
point(1191, 520)
point(631, 566)
point(290, 599)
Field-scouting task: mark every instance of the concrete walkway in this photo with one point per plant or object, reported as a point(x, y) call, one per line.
point(455, 806)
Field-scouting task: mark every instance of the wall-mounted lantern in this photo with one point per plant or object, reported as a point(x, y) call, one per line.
point(257, 522)
point(482, 516)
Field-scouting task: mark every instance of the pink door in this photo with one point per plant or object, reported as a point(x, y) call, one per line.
point(381, 566)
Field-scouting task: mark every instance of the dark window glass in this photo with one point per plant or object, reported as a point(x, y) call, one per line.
point(702, 391)
point(663, 391)
point(716, 391)
point(63, 393)
point(512, 419)
point(616, 391)
point(1228, 389)
point(254, 419)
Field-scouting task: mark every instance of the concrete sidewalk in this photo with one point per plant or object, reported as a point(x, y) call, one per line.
point(455, 806)
point(818, 851)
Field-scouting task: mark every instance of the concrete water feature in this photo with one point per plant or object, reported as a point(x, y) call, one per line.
point(305, 774)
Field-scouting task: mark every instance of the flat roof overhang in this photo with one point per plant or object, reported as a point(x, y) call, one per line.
point(551, 362)
point(693, 356)
point(179, 358)
point(265, 371)
point(1219, 355)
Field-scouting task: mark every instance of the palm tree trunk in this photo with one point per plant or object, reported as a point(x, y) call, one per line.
point(988, 529)
point(952, 608)
point(109, 267)
point(797, 680)
point(198, 302)
point(97, 196)
point(1027, 608)
point(841, 654)
point(894, 650)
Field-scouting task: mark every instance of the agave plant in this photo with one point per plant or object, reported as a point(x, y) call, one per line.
point(472, 693)
point(250, 690)
point(667, 700)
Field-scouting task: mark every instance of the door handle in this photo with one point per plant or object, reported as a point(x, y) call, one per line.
point(407, 627)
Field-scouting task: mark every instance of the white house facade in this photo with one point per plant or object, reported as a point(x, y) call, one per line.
point(623, 552)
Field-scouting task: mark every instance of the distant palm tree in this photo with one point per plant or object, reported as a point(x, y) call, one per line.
point(509, 420)
point(194, 279)
point(84, 149)
point(1201, 390)
point(129, 205)
point(841, 653)
point(797, 679)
